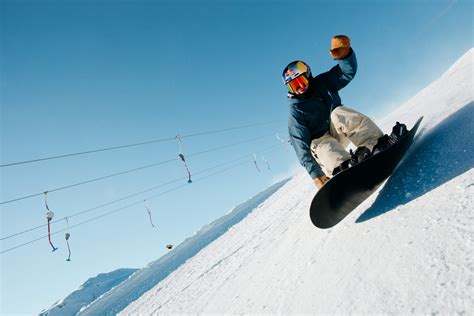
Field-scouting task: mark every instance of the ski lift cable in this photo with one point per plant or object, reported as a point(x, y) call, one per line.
point(228, 129)
point(129, 205)
point(98, 217)
point(132, 145)
point(87, 181)
point(227, 146)
point(128, 171)
point(130, 196)
point(96, 207)
point(133, 194)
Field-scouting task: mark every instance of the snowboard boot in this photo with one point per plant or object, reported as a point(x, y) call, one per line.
point(382, 143)
point(343, 166)
point(386, 141)
point(359, 155)
point(398, 131)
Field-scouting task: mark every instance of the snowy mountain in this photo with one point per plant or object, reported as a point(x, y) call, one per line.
point(88, 292)
point(407, 249)
point(145, 279)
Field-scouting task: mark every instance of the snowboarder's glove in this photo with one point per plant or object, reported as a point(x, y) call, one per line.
point(340, 46)
point(319, 182)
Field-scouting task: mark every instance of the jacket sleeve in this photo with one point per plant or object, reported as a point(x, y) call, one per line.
point(340, 75)
point(301, 141)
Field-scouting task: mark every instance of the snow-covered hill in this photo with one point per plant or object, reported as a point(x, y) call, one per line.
point(407, 249)
point(88, 292)
point(143, 280)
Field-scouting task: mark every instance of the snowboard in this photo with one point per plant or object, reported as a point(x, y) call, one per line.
point(350, 187)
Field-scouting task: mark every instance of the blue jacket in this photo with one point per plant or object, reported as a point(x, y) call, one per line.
point(310, 112)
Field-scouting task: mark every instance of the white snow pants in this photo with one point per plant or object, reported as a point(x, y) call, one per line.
point(346, 126)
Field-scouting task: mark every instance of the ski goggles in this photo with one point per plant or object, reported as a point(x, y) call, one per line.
point(298, 85)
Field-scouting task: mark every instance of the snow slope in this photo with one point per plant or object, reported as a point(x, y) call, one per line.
point(416, 258)
point(143, 280)
point(88, 292)
point(407, 249)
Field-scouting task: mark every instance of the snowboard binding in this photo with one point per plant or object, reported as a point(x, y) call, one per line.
point(398, 131)
point(343, 166)
point(362, 153)
point(384, 142)
point(359, 155)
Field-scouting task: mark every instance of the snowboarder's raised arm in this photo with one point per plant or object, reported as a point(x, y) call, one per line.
point(340, 75)
point(301, 141)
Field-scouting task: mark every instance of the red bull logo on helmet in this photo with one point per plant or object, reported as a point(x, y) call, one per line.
point(294, 70)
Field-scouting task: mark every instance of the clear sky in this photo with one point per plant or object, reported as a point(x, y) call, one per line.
point(82, 75)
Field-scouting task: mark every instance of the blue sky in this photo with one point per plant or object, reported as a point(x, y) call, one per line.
point(83, 75)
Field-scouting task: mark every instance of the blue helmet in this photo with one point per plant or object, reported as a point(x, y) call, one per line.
point(295, 69)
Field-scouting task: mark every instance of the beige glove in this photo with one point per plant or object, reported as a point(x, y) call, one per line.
point(319, 182)
point(340, 46)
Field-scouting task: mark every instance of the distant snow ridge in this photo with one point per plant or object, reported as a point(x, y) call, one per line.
point(88, 292)
point(145, 279)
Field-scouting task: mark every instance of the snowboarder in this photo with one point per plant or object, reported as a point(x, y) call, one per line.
point(320, 127)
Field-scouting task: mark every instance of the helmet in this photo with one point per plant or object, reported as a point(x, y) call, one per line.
point(296, 76)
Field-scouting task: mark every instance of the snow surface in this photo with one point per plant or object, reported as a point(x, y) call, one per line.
point(406, 249)
point(88, 292)
point(145, 279)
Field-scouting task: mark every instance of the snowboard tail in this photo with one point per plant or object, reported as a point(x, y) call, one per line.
point(349, 188)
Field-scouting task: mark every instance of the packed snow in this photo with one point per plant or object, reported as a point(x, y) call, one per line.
point(88, 292)
point(114, 301)
point(406, 249)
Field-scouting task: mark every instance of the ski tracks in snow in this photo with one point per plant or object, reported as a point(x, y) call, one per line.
point(411, 260)
point(245, 244)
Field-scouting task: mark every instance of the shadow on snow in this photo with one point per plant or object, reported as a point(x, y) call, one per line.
point(444, 153)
